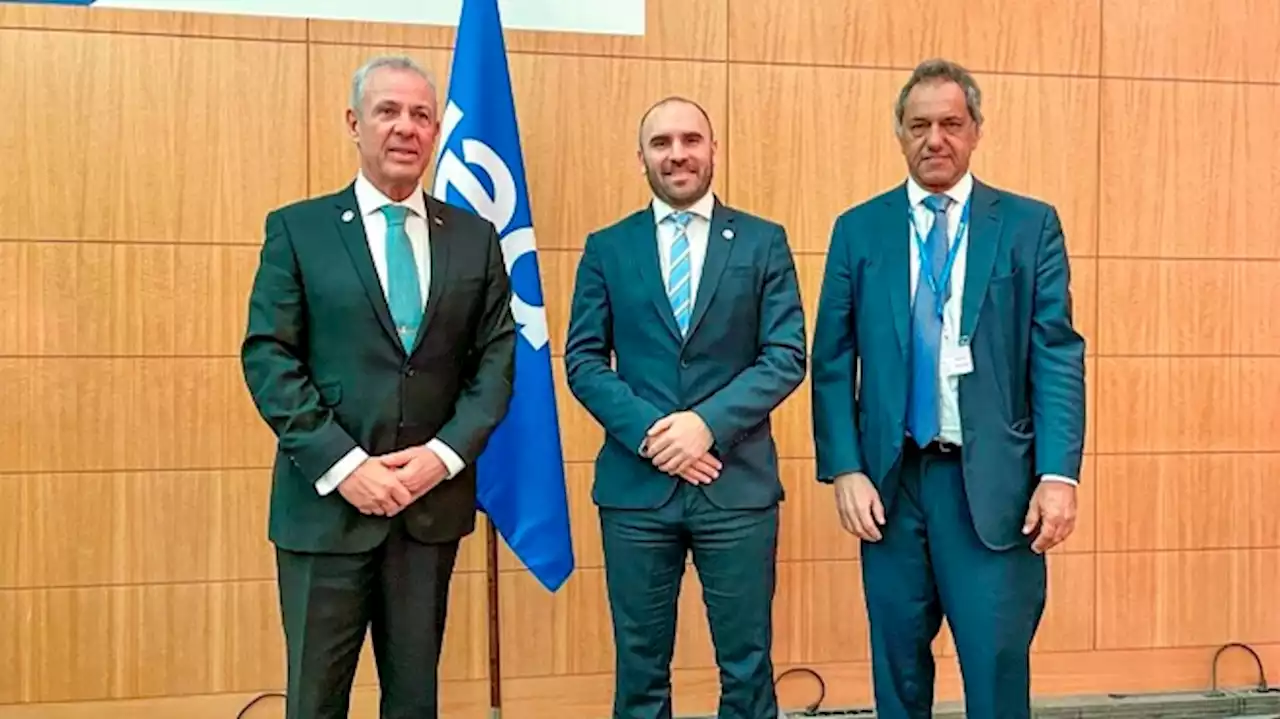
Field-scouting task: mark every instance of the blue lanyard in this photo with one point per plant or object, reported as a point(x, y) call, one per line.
point(951, 252)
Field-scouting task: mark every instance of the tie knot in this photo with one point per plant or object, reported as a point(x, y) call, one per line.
point(395, 214)
point(681, 219)
point(937, 203)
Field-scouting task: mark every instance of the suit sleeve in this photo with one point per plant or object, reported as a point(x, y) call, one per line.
point(588, 353)
point(837, 444)
point(1056, 362)
point(273, 363)
point(486, 391)
point(746, 402)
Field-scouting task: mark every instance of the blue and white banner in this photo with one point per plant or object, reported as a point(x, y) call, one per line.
point(612, 17)
point(520, 477)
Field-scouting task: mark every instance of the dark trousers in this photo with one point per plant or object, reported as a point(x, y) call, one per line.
point(734, 553)
point(929, 564)
point(400, 590)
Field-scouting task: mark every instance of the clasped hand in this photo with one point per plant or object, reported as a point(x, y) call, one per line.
point(679, 444)
point(386, 484)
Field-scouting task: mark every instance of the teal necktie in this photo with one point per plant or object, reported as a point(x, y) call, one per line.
point(404, 293)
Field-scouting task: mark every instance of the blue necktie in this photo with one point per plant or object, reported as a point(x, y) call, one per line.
point(404, 293)
point(679, 290)
point(926, 328)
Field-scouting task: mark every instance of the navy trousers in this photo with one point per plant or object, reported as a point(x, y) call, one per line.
point(930, 564)
point(735, 555)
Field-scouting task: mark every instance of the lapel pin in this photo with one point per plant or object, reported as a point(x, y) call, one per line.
point(436, 219)
point(348, 216)
point(727, 234)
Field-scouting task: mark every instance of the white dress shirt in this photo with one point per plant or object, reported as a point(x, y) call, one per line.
point(948, 385)
point(697, 231)
point(370, 200)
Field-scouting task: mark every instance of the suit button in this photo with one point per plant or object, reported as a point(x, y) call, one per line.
point(684, 363)
point(408, 372)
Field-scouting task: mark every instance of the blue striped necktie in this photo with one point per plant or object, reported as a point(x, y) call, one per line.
point(926, 328)
point(679, 289)
point(404, 293)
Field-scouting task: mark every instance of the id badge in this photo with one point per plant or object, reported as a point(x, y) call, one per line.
point(957, 360)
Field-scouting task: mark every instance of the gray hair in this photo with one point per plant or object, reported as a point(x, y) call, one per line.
point(939, 69)
point(395, 62)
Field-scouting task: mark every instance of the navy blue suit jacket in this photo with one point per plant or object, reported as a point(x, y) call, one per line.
point(744, 354)
point(1022, 408)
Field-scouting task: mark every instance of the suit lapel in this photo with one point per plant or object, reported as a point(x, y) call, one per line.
point(719, 243)
point(984, 242)
point(645, 230)
point(439, 241)
point(351, 228)
point(896, 251)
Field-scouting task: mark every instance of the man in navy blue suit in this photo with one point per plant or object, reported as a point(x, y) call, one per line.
point(698, 304)
point(949, 407)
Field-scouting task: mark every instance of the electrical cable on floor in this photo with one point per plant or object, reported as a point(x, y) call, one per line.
point(267, 695)
point(822, 687)
point(1262, 673)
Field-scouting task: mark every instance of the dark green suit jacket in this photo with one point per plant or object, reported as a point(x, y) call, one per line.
point(327, 372)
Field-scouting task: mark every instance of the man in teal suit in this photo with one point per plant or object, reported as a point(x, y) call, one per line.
point(949, 407)
point(380, 351)
point(698, 304)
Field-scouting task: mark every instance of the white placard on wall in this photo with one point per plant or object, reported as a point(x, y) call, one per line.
point(612, 17)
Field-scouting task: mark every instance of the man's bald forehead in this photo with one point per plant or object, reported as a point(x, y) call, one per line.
point(673, 99)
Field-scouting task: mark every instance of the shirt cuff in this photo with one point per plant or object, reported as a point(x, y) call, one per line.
point(1059, 478)
point(452, 461)
point(340, 470)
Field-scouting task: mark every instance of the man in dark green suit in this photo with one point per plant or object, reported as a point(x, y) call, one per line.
point(949, 407)
point(379, 350)
point(698, 304)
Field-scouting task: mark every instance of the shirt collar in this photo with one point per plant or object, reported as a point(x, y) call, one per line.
point(370, 199)
point(702, 208)
point(959, 193)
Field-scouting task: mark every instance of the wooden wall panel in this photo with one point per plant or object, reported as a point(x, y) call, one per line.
point(1051, 37)
point(1187, 170)
point(96, 299)
point(848, 141)
point(135, 575)
point(1223, 40)
point(134, 414)
point(1186, 502)
point(126, 115)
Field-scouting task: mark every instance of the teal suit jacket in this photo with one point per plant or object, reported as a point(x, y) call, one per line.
point(327, 372)
point(744, 354)
point(1022, 408)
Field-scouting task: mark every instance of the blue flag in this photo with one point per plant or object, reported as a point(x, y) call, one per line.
point(520, 482)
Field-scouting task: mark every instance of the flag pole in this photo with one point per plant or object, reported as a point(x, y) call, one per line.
point(495, 636)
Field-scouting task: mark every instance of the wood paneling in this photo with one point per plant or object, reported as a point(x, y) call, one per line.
point(1188, 170)
point(842, 151)
point(1052, 37)
point(1225, 40)
point(74, 414)
point(148, 139)
point(1186, 502)
point(145, 148)
point(97, 299)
